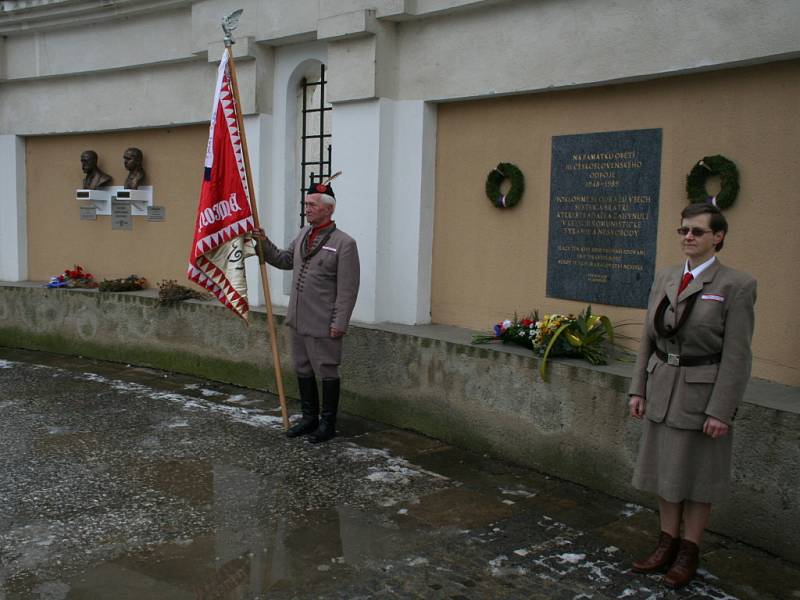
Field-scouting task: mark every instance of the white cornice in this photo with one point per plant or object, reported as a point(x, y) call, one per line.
point(26, 16)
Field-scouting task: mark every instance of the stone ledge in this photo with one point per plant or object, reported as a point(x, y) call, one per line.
point(760, 392)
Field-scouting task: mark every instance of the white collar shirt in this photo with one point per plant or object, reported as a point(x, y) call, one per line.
point(699, 268)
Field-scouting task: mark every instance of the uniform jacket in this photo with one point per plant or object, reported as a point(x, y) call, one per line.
point(324, 285)
point(721, 322)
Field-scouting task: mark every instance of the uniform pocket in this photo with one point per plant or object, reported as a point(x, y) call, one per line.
point(651, 366)
point(709, 316)
point(697, 388)
point(326, 264)
point(701, 374)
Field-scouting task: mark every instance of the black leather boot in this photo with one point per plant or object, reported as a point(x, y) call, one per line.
point(330, 406)
point(309, 404)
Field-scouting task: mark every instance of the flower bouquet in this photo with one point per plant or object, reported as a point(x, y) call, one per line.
point(556, 335)
point(73, 278)
point(582, 336)
point(511, 331)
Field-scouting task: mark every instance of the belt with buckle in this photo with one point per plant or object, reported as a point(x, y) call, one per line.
point(681, 360)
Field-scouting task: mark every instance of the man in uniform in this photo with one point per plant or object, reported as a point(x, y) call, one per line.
point(324, 290)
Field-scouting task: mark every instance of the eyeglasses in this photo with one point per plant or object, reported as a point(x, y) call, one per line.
point(696, 231)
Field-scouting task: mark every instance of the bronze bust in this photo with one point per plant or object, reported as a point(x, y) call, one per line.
point(94, 178)
point(132, 159)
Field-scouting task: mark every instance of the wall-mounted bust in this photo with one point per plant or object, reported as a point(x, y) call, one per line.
point(94, 178)
point(132, 159)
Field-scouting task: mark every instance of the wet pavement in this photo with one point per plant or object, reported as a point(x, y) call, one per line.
point(118, 482)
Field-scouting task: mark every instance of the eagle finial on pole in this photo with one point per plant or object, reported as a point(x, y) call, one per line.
point(230, 23)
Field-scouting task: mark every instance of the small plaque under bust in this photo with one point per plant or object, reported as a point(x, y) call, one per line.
point(88, 213)
point(156, 213)
point(121, 215)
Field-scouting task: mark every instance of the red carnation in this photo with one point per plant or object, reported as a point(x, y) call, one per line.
point(321, 188)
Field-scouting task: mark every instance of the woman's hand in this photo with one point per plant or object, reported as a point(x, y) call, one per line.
point(637, 407)
point(715, 428)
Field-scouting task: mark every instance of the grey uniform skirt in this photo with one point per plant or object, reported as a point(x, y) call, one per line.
point(683, 464)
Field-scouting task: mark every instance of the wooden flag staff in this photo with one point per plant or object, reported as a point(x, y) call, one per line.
point(228, 25)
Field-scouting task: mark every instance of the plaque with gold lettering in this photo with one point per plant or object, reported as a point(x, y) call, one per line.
point(604, 216)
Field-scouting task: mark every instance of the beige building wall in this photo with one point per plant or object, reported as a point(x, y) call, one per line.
point(58, 239)
point(489, 263)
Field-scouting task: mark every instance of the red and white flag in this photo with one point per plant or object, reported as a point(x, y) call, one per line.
point(223, 216)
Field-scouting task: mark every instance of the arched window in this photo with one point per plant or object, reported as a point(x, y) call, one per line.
point(314, 147)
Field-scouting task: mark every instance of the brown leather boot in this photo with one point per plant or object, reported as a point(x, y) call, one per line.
point(661, 558)
point(685, 565)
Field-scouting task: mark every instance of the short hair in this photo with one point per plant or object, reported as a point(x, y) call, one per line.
point(136, 152)
point(717, 222)
point(324, 198)
point(90, 153)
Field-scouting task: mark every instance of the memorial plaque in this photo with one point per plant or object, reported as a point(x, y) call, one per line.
point(156, 213)
point(604, 216)
point(88, 213)
point(121, 215)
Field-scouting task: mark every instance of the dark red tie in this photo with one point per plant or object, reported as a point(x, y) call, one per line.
point(687, 277)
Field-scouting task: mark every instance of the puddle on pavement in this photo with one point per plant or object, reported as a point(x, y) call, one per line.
point(238, 562)
point(250, 556)
point(321, 545)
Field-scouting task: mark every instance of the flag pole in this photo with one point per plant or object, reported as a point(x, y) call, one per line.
point(228, 25)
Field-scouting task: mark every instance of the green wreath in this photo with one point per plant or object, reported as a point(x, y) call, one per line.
point(494, 180)
point(728, 177)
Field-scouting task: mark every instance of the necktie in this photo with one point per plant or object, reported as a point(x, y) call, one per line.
point(687, 277)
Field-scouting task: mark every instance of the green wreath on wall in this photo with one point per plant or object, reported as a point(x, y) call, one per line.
point(728, 177)
point(495, 179)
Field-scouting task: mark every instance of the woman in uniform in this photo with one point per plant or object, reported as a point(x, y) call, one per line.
point(691, 372)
